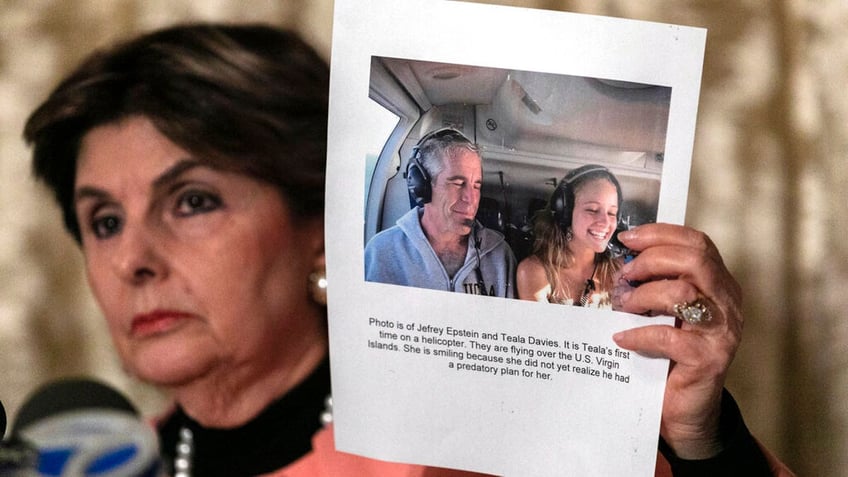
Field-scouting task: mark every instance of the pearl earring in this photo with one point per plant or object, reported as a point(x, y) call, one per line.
point(318, 287)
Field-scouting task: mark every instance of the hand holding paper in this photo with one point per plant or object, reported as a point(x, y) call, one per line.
point(680, 264)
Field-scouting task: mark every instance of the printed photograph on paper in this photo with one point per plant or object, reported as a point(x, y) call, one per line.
point(464, 157)
point(529, 131)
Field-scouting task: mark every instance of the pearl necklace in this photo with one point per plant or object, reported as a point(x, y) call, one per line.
point(185, 447)
point(185, 443)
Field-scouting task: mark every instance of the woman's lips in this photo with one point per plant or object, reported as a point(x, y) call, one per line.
point(156, 322)
point(599, 235)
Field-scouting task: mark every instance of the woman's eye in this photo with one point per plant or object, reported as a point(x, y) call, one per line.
point(105, 226)
point(191, 203)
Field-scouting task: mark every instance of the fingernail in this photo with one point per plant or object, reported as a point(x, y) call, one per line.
point(627, 235)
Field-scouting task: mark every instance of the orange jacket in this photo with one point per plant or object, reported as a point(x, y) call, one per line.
point(326, 461)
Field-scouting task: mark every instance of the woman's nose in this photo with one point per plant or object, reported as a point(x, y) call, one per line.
point(605, 219)
point(137, 258)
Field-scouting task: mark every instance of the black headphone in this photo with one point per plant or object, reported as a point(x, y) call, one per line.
point(418, 180)
point(562, 200)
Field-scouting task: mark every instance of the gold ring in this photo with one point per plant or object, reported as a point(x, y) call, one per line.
point(693, 313)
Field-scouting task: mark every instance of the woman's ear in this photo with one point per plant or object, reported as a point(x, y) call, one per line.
point(317, 244)
point(320, 262)
point(317, 279)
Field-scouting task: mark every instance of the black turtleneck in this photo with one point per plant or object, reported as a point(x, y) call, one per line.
point(276, 437)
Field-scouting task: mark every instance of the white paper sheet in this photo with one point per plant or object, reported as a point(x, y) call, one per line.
point(560, 397)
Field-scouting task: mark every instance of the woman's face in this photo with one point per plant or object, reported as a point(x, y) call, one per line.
point(595, 215)
point(197, 270)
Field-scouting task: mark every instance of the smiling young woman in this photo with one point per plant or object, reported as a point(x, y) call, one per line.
point(569, 263)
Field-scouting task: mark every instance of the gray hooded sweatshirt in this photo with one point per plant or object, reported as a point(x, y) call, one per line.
point(401, 255)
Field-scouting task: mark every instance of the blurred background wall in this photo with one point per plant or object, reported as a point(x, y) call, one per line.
point(768, 185)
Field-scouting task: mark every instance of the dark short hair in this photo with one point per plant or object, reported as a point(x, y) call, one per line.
point(245, 98)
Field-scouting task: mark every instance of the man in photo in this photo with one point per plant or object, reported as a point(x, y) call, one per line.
point(439, 244)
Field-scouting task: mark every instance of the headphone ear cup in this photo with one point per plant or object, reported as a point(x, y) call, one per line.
point(561, 206)
point(418, 183)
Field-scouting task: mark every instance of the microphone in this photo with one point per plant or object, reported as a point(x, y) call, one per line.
point(80, 427)
point(481, 283)
point(15, 456)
